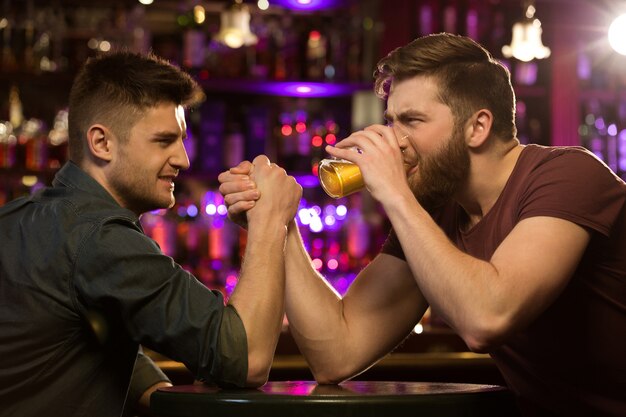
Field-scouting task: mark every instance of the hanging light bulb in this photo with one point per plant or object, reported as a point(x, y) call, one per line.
point(235, 26)
point(526, 43)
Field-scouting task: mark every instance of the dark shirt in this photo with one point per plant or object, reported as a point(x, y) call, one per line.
point(571, 360)
point(81, 286)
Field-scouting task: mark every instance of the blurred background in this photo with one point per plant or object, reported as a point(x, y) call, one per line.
point(285, 78)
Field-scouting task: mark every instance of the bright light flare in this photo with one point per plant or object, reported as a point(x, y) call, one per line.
point(617, 34)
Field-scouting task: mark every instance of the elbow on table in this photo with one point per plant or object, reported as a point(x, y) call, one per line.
point(258, 371)
point(326, 378)
point(332, 374)
point(487, 336)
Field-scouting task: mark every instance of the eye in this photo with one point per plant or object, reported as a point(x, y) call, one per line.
point(164, 142)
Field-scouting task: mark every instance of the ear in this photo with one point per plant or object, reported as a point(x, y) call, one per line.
point(479, 128)
point(99, 142)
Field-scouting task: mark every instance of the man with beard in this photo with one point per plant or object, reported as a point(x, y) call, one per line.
point(521, 249)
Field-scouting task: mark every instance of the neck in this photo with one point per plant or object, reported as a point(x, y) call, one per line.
point(489, 172)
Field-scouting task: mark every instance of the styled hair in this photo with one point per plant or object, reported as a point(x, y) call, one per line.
point(468, 77)
point(116, 89)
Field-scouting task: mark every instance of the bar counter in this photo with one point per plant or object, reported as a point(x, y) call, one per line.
point(351, 398)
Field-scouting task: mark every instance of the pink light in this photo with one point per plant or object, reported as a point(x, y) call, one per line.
point(305, 2)
point(332, 264)
point(317, 263)
point(317, 141)
point(331, 139)
point(314, 35)
point(303, 89)
point(286, 130)
point(300, 127)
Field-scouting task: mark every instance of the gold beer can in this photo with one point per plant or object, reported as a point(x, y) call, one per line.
point(339, 177)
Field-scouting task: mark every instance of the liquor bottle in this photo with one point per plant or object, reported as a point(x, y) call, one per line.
point(427, 18)
point(58, 141)
point(234, 142)
point(621, 138)
point(358, 232)
point(450, 17)
point(316, 51)
point(211, 132)
point(8, 143)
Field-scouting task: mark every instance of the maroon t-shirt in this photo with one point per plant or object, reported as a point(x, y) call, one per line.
point(572, 359)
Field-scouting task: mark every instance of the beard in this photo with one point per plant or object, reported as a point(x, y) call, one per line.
point(440, 176)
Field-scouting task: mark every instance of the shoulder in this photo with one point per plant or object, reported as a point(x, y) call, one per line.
point(537, 156)
point(570, 183)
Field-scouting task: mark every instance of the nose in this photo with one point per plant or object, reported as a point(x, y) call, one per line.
point(180, 159)
point(402, 138)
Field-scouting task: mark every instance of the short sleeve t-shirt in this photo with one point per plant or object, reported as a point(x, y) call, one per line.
point(572, 359)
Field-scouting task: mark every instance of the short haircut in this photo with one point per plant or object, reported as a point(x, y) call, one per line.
point(468, 77)
point(116, 89)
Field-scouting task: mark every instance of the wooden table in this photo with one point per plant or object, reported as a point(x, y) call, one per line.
point(351, 398)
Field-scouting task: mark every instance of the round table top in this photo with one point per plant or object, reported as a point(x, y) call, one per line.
point(362, 398)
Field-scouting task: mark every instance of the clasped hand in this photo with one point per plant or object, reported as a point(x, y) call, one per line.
point(259, 191)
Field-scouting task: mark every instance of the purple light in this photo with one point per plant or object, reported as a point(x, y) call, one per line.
point(308, 5)
point(600, 123)
point(192, 210)
point(285, 88)
point(307, 181)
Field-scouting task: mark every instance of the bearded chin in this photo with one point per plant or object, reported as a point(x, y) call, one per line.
point(439, 177)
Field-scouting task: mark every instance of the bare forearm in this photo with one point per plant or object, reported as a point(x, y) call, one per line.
point(259, 295)
point(463, 289)
point(314, 309)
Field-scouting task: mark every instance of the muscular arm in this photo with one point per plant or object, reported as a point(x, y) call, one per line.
point(259, 295)
point(342, 337)
point(485, 301)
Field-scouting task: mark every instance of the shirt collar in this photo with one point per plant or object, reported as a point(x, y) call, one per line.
point(72, 176)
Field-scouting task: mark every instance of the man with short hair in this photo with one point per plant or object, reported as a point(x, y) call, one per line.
point(82, 286)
